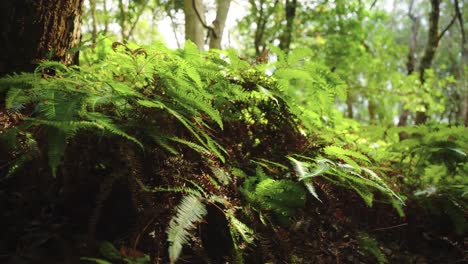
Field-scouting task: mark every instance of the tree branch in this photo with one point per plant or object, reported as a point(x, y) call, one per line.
point(132, 28)
point(211, 29)
point(454, 18)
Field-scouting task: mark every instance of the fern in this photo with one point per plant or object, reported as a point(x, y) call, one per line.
point(370, 246)
point(362, 180)
point(282, 197)
point(346, 155)
point(304, 175)
point(241, 230)
point(189, 211)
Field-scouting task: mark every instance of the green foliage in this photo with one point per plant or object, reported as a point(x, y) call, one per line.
point(435, 161)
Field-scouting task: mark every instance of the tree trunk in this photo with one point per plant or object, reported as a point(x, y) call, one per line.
point(287, 34)
point(33, 30)
point(349, 106)
point(194, 20)
point(372, 109)
point(432, 39)
point(464, 62)
point(122, 19)
point(263, 12)
point(429, 51)
point(92, 7)
point(219, 24)
point(106, 17)
point(411, 63)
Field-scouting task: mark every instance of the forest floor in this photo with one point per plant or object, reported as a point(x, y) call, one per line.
point(40, 228)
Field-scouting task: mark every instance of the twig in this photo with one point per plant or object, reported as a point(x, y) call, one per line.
point(390, 227)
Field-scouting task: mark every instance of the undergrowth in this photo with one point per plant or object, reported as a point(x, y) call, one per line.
point(260, 138)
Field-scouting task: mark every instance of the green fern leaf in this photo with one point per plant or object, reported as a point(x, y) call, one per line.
point(340, 153)
point(57, 141)
point(241, 229)
point(304, 175)
point(189, 211)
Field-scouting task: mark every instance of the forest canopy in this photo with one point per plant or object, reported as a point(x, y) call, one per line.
point(219, 131)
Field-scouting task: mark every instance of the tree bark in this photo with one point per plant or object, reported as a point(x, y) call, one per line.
point(219, 23)
point(31, 30)
point(194, 20)
point(286, 37)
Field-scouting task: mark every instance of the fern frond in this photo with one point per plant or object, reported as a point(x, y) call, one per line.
point(346, 155)
point(281, 196)
point(189, 211)
point(102, 121)
point(370, 245)
point(194, 146)
point(240, 229)
point(57, 141)
point(223, 176)
point(340, 152)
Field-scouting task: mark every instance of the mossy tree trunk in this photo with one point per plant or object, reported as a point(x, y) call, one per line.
point(32, 30)
point(290, 12)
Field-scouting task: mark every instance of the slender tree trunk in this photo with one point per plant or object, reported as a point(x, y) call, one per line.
point(263, 17)
point(429, 51)
point(463, 64)
point(33, 30)
point(194, 20)
point(137, 18)
point(106, 17)
point(372, 109)
point(92, 7)
point(259, 31)
point(219, 23)
point(349, 104)
point(173, 26)
point(286, 37)
point(411, 63)
point(432, 40)
point(122, 19)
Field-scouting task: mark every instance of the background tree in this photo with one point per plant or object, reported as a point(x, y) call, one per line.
point(196, 27)
point(216, 34)
point(195, 22)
